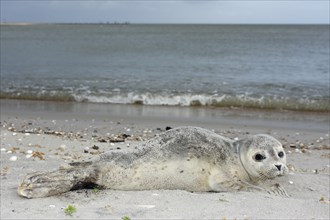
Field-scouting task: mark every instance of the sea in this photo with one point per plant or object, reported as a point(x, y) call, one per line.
point(280, 67)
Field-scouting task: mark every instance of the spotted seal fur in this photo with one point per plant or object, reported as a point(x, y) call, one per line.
point(184, 158)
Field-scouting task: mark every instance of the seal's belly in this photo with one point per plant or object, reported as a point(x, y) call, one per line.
point(190, 175)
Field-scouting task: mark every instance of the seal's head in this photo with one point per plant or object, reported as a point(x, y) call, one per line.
point(262, 156)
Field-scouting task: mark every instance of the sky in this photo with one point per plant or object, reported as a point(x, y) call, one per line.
point(167, 11)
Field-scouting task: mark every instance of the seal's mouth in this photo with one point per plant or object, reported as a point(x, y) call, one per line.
point(270, 174)
point(274, 173)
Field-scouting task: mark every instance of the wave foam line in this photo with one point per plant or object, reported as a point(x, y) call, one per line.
point(239, 101)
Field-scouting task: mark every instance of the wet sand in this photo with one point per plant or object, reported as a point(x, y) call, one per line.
point(39, 136)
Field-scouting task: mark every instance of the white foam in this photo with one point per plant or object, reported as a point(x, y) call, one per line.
point(188, 99)
point(153, 99)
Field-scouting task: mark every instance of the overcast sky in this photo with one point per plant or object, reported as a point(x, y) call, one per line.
point(167, 11)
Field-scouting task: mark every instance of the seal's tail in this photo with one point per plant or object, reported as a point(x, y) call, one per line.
point(43, 184)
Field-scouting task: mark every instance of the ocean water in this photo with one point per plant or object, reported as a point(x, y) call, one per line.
point(243, 66)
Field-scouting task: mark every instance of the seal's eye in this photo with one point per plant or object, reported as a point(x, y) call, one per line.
point(259, 157)
point(281, 154)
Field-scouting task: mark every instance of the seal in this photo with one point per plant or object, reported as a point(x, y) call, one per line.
point(184, 158)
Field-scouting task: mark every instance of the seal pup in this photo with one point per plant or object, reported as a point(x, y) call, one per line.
point(185, 158)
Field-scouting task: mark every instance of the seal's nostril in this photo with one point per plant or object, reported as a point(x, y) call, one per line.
point(278, 167)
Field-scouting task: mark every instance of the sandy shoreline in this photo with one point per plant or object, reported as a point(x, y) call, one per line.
point(61, 132)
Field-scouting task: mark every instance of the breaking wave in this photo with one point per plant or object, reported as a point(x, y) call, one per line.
point(236, 101)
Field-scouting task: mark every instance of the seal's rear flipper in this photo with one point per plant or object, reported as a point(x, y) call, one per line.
point(43, 184)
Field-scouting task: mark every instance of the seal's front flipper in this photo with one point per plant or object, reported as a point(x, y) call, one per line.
point(278, 190)
point(43, 184)
point(275, 189)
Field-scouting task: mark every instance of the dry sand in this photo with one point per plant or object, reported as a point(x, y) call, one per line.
point(57, 133)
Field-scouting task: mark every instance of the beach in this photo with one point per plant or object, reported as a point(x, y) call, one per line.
point(39, 136)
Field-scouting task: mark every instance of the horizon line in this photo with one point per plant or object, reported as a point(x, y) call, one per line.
point(159, 23)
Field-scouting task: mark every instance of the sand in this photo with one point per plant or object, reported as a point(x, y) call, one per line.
point(45, 135)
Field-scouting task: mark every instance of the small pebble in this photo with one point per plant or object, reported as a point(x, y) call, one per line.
point(13, 158)
point(28, 156)
point(112, 144)
point(3, 149)
point(291, 167)
point(290, 182)
point(147, 206)
point(52, 206)
point(63, 146)
point(29, 151)
point(9, 152)
point(14, 134)
point(95, 147)
point(305, 151)
point(86, 148)
point(168, 128)
point(27, 134)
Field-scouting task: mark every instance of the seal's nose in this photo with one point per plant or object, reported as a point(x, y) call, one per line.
point(278, 167)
